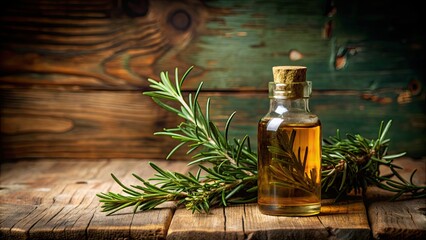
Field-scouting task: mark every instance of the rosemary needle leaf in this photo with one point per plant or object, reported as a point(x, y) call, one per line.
point(234, 191)
point(123, 186)
point(240, 149)
point(165, 106)
point(394, 156)
point(208, 110)
point(412, 176)
point(175, 149)
point(386, 129)
point(252, 189)
point(185, 75)
point(228, 122)
point(197, 93)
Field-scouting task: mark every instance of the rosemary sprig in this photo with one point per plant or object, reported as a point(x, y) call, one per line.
point(231, 174)
point(353, 164)
point(227, 169)
point(198, 131)
point(289, 168)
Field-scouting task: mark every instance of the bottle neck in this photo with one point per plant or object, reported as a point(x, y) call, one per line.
point(281, 106)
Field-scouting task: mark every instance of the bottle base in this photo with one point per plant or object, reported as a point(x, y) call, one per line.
point(290, 211)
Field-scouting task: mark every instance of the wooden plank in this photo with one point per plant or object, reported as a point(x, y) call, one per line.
point(333, 109)
point(242, 42)
point(346, 220)
point(142, 225)
point(108, 124)
point(53, 199)
point(107, 45)
point(403, 219)
point(40, 124)
point(398, 220)
point(117, 45)
point(10, 215)
point(58, 204)
point(51, 192)
point(186, 225)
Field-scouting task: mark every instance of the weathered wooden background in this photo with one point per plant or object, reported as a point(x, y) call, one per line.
point(72, 71)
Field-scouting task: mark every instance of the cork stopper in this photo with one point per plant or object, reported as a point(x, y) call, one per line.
point(289, 74)
point(289, 82)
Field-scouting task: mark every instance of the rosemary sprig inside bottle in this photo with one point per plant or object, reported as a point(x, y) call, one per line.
point(227, 169)
point(289, 169)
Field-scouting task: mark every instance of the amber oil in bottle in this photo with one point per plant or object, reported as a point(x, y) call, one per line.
point(289, 148)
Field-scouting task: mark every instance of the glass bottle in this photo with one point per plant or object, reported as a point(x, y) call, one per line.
point(289, 148)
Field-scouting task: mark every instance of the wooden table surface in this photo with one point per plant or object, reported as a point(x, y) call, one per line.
point(56, 199)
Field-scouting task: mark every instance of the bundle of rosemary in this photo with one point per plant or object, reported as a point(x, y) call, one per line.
point(227, 168)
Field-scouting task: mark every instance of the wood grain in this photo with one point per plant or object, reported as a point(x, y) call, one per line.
point(88, 50)
point(71, 76)
point(108, 124)
point(398, 220)
point(346, 220)
point(403, 219)
point(111, 44)
point(82, 124)
point(105, 44)
point(57, 200)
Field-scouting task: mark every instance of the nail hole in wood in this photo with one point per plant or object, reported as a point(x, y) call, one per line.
point(415, 87)
point(180, 20)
